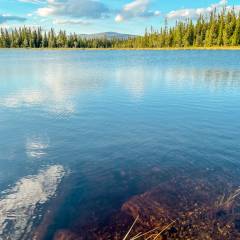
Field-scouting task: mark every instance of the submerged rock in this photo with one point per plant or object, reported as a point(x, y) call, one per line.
point(200, 206)
point(66, 235)
point(193, 206)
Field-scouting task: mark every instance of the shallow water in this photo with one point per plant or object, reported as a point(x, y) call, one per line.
point(83, 131)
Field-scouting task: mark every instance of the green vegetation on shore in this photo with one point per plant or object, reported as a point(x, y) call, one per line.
point(219, 30)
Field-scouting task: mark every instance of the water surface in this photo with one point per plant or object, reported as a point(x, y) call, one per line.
point(83, 131)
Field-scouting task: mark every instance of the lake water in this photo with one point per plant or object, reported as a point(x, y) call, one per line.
point(81, 132)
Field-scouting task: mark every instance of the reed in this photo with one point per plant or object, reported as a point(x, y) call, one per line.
point(227, 201)
point(153, 234)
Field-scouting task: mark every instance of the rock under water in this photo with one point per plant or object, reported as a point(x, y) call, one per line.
point(197, 206)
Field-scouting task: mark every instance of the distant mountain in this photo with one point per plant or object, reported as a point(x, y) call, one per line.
point(107, 35)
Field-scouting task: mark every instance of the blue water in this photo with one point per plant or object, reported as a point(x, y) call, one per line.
point(82, 131)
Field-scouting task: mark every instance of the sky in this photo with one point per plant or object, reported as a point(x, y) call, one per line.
point(93, 16)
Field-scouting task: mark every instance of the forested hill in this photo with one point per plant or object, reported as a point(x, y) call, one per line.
point(218, 29)
point(107, 35)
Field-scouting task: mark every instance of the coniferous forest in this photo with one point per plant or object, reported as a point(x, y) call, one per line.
point(216, 30)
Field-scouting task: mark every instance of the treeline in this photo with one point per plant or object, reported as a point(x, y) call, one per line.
point(37, 38)
point(218, 29)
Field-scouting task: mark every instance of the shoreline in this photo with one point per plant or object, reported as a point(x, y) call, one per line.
point(130, 49)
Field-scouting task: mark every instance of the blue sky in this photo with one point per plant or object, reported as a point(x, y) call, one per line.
point(89, 16)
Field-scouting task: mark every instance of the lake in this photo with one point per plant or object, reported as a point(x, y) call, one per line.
point(89, 140)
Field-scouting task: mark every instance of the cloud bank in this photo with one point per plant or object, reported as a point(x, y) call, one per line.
point(194, 13)
point(90, 9)
point(137, 8)
point(79, 12)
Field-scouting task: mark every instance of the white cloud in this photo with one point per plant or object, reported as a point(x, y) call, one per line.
point(74, 8)
point(46, 11)
point(31, 1)
point(6, 18)
point(137, 8)
point(71, 22)
point(194, 13)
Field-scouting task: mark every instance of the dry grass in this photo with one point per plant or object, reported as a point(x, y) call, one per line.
point(153, 234)
point(227, 201)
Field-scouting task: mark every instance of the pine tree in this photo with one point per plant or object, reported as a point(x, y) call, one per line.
point(235, 40)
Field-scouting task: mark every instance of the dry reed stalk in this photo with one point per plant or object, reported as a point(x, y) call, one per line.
point(129, 231)
point(139, 235)
point(164, 230)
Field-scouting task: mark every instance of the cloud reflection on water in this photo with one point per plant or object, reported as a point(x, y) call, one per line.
point(18, 204)
point(36, 147)
point(53, 87)
point(136, 80)
point(56, 83)
point(133, 80)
